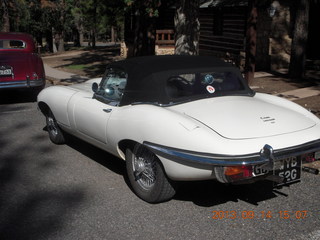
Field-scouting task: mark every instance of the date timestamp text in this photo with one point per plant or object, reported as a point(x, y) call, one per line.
point(301, 214)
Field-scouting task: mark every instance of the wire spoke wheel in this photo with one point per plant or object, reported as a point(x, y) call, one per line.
point(52, 126)
point(147, 176)
point(55, 133)
point(144, 168)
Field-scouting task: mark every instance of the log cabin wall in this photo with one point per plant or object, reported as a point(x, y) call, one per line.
point(222, 33)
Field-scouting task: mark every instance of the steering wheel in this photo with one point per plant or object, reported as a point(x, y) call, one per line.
point(179, 79)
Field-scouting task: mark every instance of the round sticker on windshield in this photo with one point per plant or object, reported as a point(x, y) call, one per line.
point(210, 89)
point(208, 79)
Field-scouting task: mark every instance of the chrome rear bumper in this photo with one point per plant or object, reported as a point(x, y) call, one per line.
point(267, 155)
point(22, 84)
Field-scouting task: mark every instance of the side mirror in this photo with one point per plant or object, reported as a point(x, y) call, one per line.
point(95, 87)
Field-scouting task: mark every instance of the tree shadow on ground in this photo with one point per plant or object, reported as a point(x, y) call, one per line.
point(28, 209)
point(11, 96)
point(212, 193)
point(37, 215)
point(95, 61)
point(98, 155)
point(73, 80)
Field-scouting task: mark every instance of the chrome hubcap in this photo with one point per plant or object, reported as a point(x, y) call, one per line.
point(144, 168)
point(52, 126)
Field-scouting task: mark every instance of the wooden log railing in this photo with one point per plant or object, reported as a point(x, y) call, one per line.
point(165, 37)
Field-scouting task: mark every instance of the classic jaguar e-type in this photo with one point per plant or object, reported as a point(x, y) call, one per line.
point(184, 118)
point(20, 65)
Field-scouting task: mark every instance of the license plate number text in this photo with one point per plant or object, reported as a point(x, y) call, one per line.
point(289, 169)
point(6, 72)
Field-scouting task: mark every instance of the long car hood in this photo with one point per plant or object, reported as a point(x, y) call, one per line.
point(244, 117)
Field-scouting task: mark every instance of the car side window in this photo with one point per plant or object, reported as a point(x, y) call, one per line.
point(12, 44)
point(112, 85)
point(203, 83)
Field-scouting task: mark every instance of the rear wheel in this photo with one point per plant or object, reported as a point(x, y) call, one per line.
point(55, 133)
point(146, 175)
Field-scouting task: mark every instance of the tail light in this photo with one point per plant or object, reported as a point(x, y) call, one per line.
point(35, 76)
point(235, 173)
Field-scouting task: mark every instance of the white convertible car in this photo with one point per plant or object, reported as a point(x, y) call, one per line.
point(184, 118)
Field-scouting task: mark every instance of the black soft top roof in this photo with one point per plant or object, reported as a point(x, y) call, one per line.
point(147, 75)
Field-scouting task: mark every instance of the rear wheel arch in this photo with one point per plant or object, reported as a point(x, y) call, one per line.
point(125, 144)
point(44, 108)
point(56, 134)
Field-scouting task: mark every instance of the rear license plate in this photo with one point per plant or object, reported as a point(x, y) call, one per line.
point(6, 72)
point(259, 170)
point(289, 169)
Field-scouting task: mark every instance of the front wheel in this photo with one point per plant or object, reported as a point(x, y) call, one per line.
point(146, 175)
point(55, 133)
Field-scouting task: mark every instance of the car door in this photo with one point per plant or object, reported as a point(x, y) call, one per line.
point(91, 114)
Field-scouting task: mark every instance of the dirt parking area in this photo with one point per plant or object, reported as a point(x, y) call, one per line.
point(88, 63)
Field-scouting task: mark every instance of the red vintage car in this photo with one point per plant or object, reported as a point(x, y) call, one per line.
point(20, 65)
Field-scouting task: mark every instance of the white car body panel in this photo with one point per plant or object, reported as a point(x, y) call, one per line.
point(83, 107)
point(181, 172)
point(262, 118)
point(171, 131)
point(58, 105)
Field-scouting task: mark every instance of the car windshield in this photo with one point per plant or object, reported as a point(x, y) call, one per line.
point(112, 85)
point(204, 84)
point(12, 44)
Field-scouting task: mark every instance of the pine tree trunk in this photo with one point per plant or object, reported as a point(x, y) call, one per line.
point(60, 30)
point(251, 41)
point(299, 42)
point(5, 17)
point(61, 43)
point(144, 36)
point(138, 35)
point(78, 42)
point(187, 27)
point(112, 34)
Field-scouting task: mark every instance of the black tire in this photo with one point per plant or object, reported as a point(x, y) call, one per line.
point(146, 175)
point(55, 133)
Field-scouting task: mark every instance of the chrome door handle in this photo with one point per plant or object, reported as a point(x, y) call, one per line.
point(107, 110)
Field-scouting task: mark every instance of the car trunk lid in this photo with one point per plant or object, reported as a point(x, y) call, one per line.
point(20, 64)
point(244, 117)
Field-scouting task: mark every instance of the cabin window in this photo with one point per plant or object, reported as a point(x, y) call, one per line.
point(204, 84)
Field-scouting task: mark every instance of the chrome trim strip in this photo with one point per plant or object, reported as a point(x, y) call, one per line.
point(205, 159)
point(22, 84)
point(309, 147)
point(190, 157)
